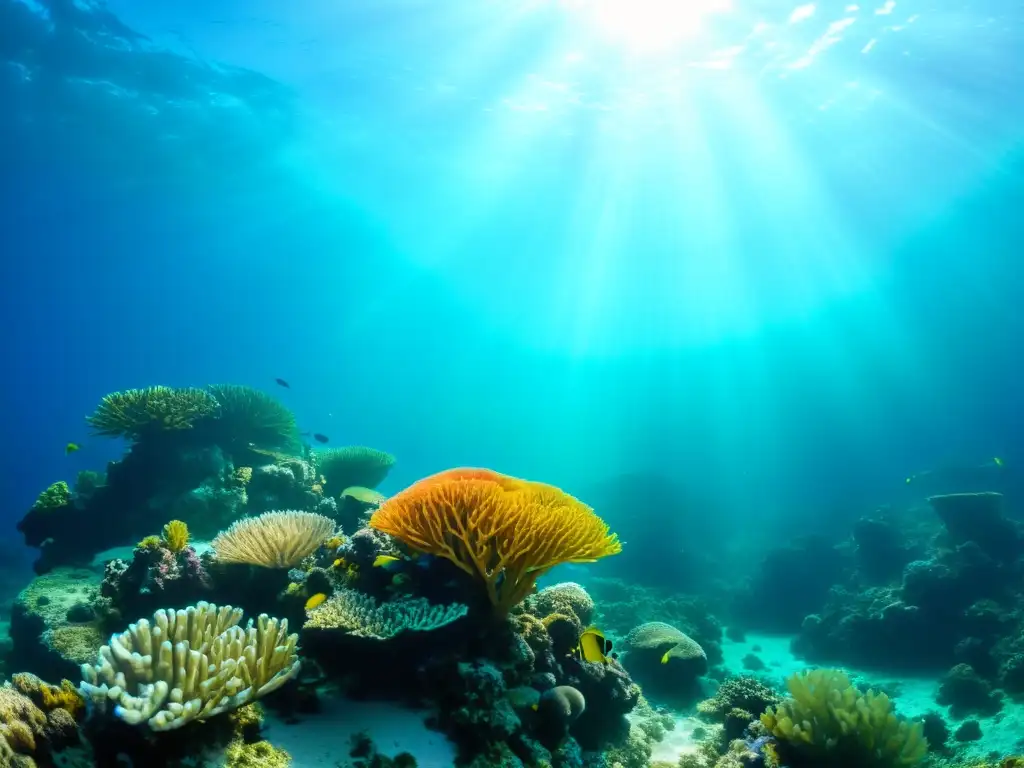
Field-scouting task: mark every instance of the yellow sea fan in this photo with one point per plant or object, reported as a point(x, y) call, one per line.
point(273, 539)
point(176, 536)
point(506, 531)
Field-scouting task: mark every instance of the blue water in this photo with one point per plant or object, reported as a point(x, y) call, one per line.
point(771, 253)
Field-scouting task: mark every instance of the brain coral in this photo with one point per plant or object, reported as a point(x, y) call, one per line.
point(565, 598)
point(665, 660)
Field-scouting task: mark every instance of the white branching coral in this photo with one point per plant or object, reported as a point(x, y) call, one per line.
point(273, 539)
point(190, 665)
point(360, 615)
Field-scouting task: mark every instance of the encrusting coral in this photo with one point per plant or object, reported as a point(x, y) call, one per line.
point(55, 496)
point(273, 539)
point(505, 531)
point(361, 615)
point(829, 720)
point(134, 412)
point(190, 665)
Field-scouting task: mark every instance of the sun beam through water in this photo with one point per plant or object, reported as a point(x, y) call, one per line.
point(648, 25)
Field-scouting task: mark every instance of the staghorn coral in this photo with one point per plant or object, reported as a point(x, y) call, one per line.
point(361, 615)
point(134, 412)
point(828, 720)
point(175, 536)
point(273, 539)
point(505, 531)
point(351, 466)
point(57, 495)
point(252, 417)
point(190, 665)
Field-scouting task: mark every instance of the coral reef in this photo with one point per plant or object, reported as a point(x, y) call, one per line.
point(665, 661)
point(135, 413)
point(351, 466)
point(360, 615)
point(53, 627)
point(190, 665)
point(828, 720)
point(162, 571)
point(505, 531)
point(273, 539)
point(621, 606)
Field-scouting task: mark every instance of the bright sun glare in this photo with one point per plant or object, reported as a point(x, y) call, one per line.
point(646, 25)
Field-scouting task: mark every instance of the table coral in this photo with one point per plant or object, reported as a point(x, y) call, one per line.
point(361, 615)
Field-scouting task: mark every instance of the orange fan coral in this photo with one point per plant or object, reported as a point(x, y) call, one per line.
point(507, 531)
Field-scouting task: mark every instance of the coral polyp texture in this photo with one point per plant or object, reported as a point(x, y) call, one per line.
point(361, 615)
point(251, 416)
point(829, 721)
point(273, 539)
point(505, 531)
point(190, 665)
point(55, 496)
point(134, 412)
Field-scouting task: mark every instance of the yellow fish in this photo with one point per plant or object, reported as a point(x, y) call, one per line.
point(593, 646)
point(382, 561)
point(71, 448)
point(365, 495)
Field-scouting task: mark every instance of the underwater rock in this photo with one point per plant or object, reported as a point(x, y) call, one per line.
point(622, 606)
point(744, 693)
point(610, 695)
point(665, 661)
point(978, 518)
point(965, 693)
point(936, 731)
point(1011, 675)
point(969, 730)
point(154, 482)
point(790, 583)
point(881, 551)
point(155, 577)
point(44, 640)
point(285, 485)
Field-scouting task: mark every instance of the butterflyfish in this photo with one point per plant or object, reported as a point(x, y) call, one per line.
point(593, 646)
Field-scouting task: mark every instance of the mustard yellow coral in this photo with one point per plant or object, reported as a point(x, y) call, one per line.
point(54, 497)
point(827, 718)
point(506, 531)
point(176, 536)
